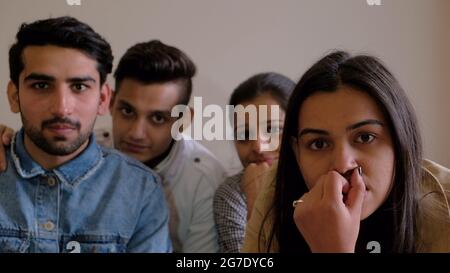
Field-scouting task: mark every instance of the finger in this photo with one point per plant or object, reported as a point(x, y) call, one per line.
point(316, 189)
point(7, 136)
point(345, 187)
point(250, 168)
point(250, 174)
point(2, 131)
point(263, 168)
point(306, 200)
point(355, 197)
point(334, 186)
point(2, 158)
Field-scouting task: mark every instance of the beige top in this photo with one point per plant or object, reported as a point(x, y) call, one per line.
point(433, 223)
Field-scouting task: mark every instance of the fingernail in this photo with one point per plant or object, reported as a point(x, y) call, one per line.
point(360, 170)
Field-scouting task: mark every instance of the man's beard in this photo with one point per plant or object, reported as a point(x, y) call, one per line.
point(50, 146)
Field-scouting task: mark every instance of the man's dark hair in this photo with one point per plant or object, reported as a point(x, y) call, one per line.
point(65, 32)
point(156, 62)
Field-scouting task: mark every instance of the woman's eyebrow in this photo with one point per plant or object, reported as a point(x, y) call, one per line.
point(364, 123)
point(349, 128)
point(274, 121)
point(312, 131)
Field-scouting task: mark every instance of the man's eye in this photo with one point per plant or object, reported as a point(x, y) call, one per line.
point(158, 119)
point(318, 144)
point(126, 112)
point(365, 138)
point(79, 87)
point(40, 85)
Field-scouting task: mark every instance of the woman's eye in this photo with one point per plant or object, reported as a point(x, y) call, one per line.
point(41, 85)
point(274, 129)
point(318, 145)
point(242, 135)
point(365, 138)
point(246, 135)
point(158, 119)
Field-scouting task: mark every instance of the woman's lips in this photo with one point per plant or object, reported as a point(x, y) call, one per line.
point(268, 160)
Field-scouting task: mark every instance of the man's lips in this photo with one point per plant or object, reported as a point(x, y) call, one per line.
point(133, 147)
point(61, 128)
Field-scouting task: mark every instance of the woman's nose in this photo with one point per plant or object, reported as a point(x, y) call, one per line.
point(344, 159)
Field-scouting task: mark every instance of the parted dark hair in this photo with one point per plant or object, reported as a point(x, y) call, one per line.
point(278, 86)
point(65, 32)
point(366, 74)
point(155, 62)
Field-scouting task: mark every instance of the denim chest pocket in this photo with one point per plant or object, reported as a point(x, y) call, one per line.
point(12, 241)
point(94, 244)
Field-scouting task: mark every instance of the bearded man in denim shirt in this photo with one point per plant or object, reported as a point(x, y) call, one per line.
point(61, 191)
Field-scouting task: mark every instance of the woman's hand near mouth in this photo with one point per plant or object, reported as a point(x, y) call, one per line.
point(329, 216)
point(251, 182)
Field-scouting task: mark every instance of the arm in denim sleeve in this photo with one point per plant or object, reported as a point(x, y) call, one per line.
point(152, 231)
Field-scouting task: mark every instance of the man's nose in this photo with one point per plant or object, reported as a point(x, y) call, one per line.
point(137, 129)
point(62, 104)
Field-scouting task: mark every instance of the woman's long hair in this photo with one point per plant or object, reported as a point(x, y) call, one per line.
point(367, 74)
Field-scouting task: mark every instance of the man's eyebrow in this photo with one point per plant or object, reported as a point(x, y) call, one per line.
point(151, 112)
point(39, 77)
point(349, 128)
point(124, 103)
point(82, 79)
point(45, 77)
point(161, 112)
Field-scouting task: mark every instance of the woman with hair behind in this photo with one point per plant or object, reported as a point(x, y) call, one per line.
point(234, 198)
point(351, 173)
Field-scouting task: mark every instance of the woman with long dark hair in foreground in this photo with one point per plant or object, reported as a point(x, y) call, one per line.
point(351, 176)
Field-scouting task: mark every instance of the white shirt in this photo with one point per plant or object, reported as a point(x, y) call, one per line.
point(190, 175)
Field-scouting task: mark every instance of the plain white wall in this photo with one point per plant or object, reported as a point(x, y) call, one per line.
point(230, 40)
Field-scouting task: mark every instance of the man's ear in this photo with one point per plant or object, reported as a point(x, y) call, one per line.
point(13, 97)
point(294, 146)
point(105, 99)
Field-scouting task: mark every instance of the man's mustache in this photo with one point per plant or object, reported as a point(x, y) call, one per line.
point(64, 120)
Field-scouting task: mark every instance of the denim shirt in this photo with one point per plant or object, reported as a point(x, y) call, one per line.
point(100, 201)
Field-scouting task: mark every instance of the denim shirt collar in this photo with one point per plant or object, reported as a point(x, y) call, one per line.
point(71, 172)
